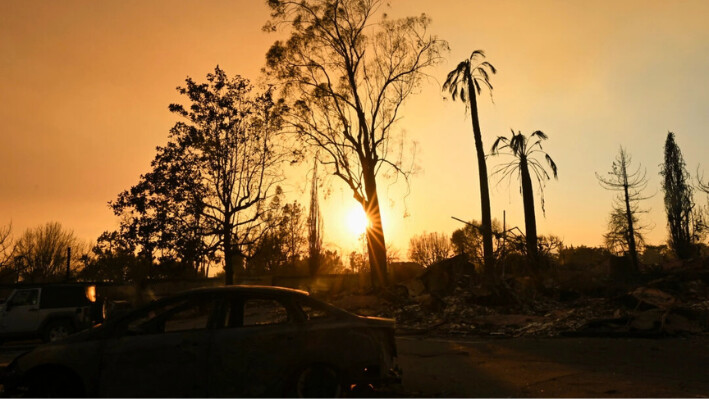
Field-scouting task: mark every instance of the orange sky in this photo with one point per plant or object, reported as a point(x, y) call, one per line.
point(85, 87)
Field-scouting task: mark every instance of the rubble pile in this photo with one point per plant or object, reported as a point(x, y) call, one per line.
point(449, 300)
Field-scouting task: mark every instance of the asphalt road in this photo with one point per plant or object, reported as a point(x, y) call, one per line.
point(548, 367)
point(555, 367)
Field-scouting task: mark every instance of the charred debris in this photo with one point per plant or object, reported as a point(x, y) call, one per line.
point(451, 297)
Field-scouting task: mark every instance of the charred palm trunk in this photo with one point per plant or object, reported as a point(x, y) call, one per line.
point(375, 232)
point(530, 219)
point(484, 190)
point(631, 230)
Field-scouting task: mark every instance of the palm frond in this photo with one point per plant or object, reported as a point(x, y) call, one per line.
point(531, 149)
point(484, 74)
point(552, 165)
point(477, 52)
point(518, 144)
point(489, 65)
point(494, 149)
point(455, 76)
point(539, 134)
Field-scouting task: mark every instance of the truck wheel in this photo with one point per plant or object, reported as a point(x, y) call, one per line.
point(318, 381)
point(57, 330)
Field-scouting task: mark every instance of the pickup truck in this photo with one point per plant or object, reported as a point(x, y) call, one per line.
point(48, 311)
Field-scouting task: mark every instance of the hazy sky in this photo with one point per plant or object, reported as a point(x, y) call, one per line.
point(85, 85)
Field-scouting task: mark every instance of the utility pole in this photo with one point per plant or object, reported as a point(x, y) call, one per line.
point(68, 263)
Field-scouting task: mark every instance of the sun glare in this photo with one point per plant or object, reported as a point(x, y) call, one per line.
point(357, 221)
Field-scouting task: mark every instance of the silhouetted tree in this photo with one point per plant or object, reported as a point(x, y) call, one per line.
point(293, 226)
point(114, 259)
point(468, 240)
point(347, 76)
point(268, 255)
point(515, 259)
point(465, 81)
point(429, 248)
point(616, 239)
point(161, 216)
point(8, 271)
point(6, 245)
point(40, 253)
point(331, 262)
point(705, 188)
point(624, 231)
point(359, 258)
point(684, 223)
point(702, 186)
point(209, 182)
point(524, 163)
point(284, 244)
point(315, 224)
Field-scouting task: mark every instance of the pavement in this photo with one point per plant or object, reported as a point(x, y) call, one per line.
point(538, 367)
point(555, 367)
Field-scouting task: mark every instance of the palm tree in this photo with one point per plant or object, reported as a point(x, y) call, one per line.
point(523, 163)
point(465, 81)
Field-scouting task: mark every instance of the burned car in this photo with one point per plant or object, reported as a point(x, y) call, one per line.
point(227, 341)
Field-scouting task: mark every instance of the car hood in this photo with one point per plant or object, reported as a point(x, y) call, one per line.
point(378, 321)
point(85, 335)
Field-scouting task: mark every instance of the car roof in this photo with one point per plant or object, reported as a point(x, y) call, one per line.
point(250, 289)
point(22, 286)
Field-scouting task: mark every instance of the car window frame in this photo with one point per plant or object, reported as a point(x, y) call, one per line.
point(292, 310)
point(10, 301)
point(332, 314)
point(335, 312)
point(122, 329)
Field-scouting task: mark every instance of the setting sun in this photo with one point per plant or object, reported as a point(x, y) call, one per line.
point(357, 221)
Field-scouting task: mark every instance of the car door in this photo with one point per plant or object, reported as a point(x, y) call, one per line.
point(161, 351)
point(253, 353)
point(20, 314)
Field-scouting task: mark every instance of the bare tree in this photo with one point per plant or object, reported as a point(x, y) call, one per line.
point(702, 186)
point(40, 253)
point(624, 231)
point(5, 244)
point(705, 188)
point(347, 76)
point(429, 248)
point(6, 251)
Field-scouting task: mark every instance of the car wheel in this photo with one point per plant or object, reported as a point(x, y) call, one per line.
point(57, 330)
point(318, 381)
